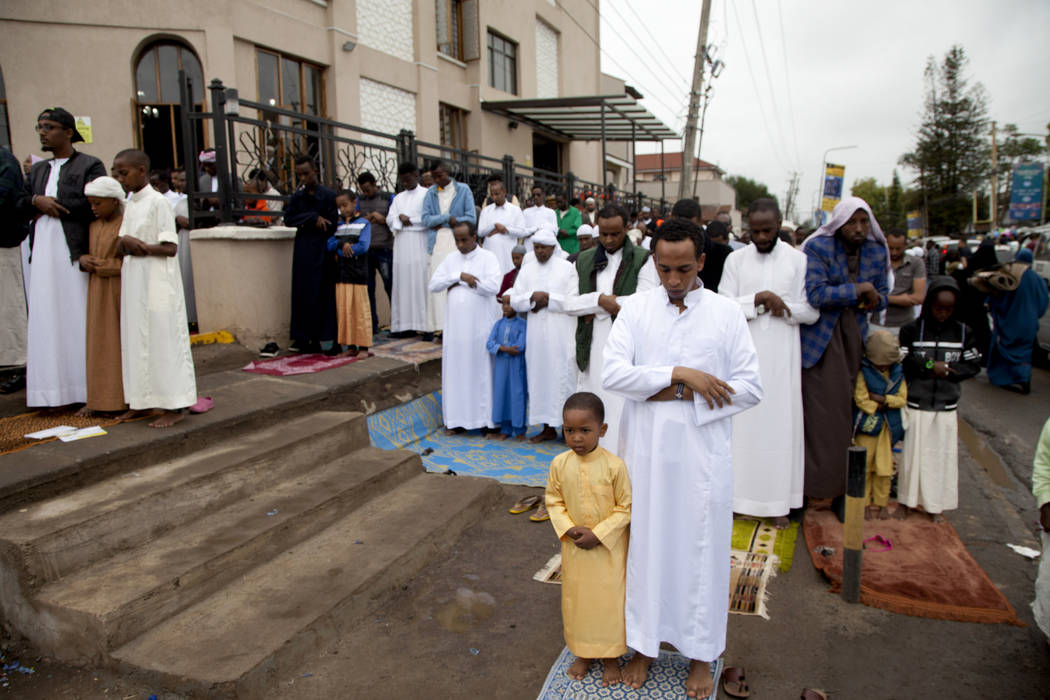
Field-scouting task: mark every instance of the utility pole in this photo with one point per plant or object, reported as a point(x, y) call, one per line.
point(685, 177)
point(792, 193)
point(994, 214)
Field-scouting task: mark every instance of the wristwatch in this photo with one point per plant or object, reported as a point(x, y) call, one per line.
point(679, 389)
point(929, 364)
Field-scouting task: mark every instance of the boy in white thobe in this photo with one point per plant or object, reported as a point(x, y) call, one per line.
point(683, 359)
point(542, 289)
point(154, 335)
point(768, 280)
point(471, 276)
point(411, 266)
point(501, 226)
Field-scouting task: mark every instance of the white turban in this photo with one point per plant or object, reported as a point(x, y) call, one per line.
point(585, 231)
point(104, 186)
point(206, 156)
point(544, 237)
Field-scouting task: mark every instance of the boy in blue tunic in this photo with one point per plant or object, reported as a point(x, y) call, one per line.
point(510, 393)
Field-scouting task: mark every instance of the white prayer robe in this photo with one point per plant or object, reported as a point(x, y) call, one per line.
point(679, 456)
point(444, 245)
point(769, 456)
point(502, 243)
point(56, 354)
point(155, 341)
point(411, 266)
point(12, 309)
point(550, 339)
point(540, 217)
point(466, 365)
point(591, 378)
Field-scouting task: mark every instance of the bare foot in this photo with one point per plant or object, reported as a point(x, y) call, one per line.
point(84, 412)
point(579, 669)
point(548, 433)
point(936, 518)
point(884, 513)
point(494, 436)
point(870, 512)
point(636, 671)
point(453, 431)
point(611, 672)
point(700, 682)
point(901, 513)
point(520, 438)
point(130, 415)
point(781, 522)
point(168, 419)
point(501, 436)
point(363, 354)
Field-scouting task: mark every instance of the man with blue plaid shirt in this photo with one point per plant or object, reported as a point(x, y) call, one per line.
point(846, 279)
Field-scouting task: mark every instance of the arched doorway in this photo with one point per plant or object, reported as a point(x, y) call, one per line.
point(158, 112)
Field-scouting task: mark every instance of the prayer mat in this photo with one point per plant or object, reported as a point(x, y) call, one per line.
point(666, 680)
point(749, 574)
point(296, 364)
point(551, 571)
point(926, 573)
point(758, 535)
point(417, 426)
point(14, 427)
point(412, 350)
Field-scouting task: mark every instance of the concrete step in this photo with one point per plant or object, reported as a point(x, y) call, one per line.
point(278, 614)
point(59, 535)
point(105, 605)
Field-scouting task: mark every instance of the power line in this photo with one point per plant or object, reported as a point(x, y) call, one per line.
point(656, 42)
point(758, 96)
point(583, 29)
point(787, 81)
point(769, 77)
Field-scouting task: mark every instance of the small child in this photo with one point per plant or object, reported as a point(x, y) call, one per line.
point(154, 334)
point(510, 390)
point(589, 500)
point(880, 394)
point(105, 385)
point(939, 352)
point(350, 242)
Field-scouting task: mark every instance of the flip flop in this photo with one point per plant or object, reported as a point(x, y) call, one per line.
point(734, 683)
point(203, 405)
point(540, 515)
point(526, 504)
point(813, 694)
point(886, 544)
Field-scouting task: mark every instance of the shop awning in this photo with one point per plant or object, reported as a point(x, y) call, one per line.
point(581, 118)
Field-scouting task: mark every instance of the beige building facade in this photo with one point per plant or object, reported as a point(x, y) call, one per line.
point(386, 65)
point(711, 189)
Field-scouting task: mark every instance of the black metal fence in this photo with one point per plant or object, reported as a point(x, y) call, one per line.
point(270, 141)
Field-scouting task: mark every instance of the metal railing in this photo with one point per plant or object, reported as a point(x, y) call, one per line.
point(273, 138)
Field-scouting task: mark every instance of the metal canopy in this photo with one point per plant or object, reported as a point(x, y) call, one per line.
point(586, 118)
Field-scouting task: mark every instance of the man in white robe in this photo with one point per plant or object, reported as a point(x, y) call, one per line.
point(471, 276)
point(501, 226)
point(539, 216)
point(683, 359)
point(56, 364)
point(768, 280)
point(601, 303)
point(543, 289)
point(411, 266)
point(445, 203)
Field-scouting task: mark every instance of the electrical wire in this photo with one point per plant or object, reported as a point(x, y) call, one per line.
point(656, 42)
point(787, 81)
point(758, 96)
point(769, 77)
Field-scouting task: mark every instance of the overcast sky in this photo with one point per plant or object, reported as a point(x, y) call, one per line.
point(840, 73)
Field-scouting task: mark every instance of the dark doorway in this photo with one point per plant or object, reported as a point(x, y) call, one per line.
point(157, 104)
point(546, 154)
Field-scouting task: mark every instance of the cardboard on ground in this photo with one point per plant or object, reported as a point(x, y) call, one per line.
point(91, 431)
point(57, 431)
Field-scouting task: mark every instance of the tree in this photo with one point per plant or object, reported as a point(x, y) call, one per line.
point(895, 203)
point(747, 190)
point(874, 194)
point(949, 155)
point(1015, 148)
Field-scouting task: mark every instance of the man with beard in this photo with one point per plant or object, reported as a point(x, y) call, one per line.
point(768, 280)
point(54, 196)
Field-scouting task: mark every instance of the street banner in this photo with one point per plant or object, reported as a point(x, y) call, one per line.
point(915, 224)
point(833, 175)
point(1026, 192)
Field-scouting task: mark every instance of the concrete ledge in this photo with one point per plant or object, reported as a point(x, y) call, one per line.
point(243, 233)
point(243, 402)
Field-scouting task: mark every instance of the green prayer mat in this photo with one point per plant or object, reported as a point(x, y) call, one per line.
point(759, 535)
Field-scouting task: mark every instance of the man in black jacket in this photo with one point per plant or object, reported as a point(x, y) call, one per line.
point(53, 199)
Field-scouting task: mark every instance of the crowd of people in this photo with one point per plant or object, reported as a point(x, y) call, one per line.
point(692, 373)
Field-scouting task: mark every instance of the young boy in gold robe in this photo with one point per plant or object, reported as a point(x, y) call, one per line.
point(589, 501)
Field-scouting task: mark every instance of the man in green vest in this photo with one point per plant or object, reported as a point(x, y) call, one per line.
point(568, 221)
point(612, 269)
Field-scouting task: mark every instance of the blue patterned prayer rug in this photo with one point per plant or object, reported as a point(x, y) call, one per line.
point(417, 426)
point(666, 681)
